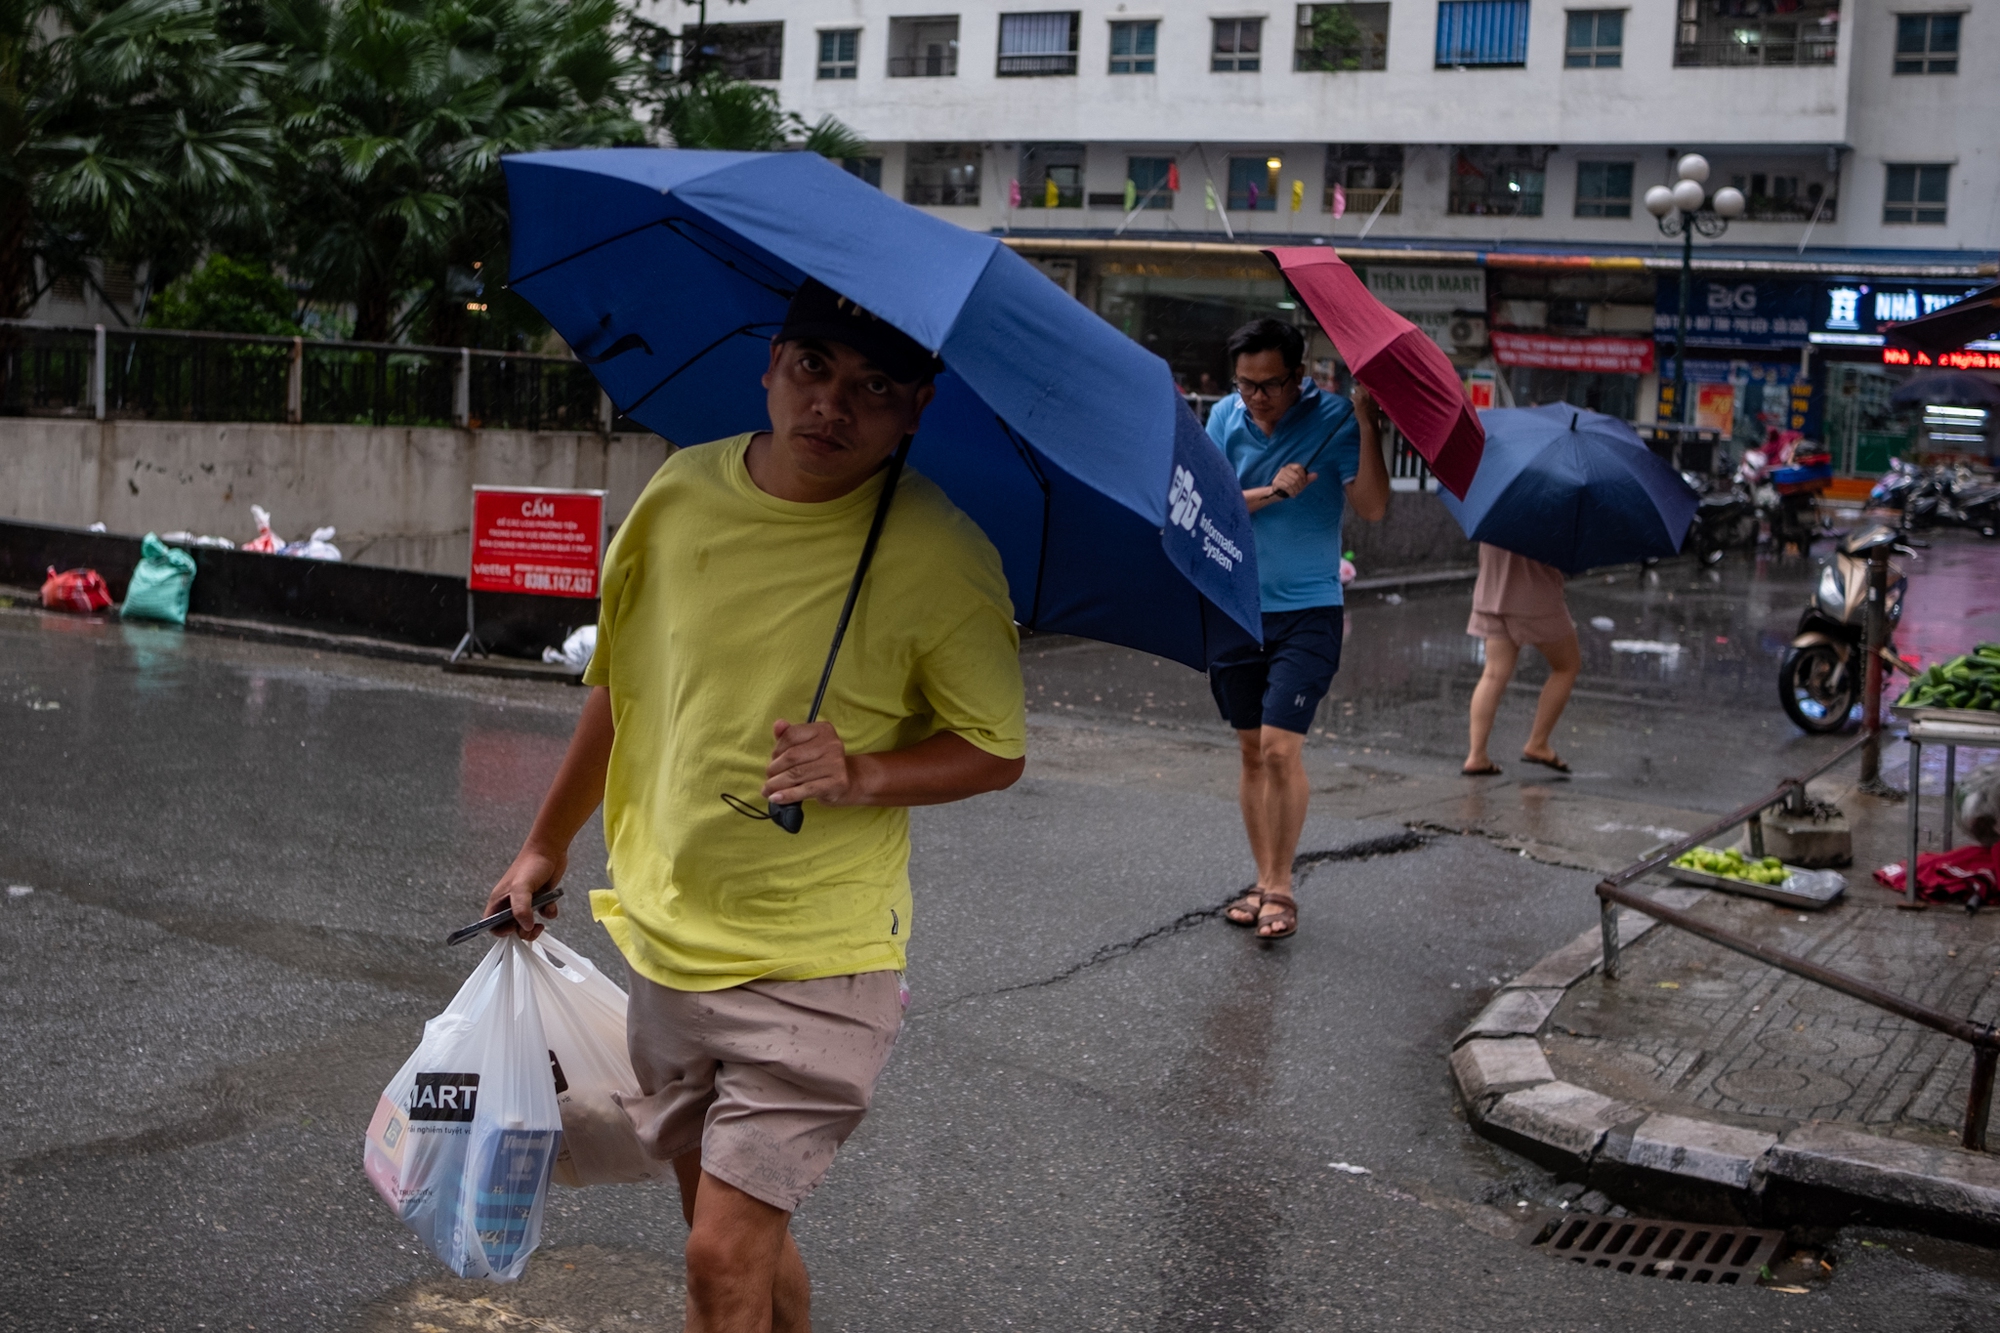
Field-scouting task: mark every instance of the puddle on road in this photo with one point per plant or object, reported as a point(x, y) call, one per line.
point(573, 1289)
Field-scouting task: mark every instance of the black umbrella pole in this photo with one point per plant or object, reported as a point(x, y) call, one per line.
point(792, 817)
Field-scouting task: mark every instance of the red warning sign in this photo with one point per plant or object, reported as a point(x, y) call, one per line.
point(533, 540)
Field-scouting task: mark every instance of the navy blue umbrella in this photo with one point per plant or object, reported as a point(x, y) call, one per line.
point(1572, 488)
point(667, 271)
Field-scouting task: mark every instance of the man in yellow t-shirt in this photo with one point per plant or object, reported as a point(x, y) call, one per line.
point(765, 967)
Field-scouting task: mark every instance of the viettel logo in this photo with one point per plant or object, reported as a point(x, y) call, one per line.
point(444, 1097)
point(1184, 501)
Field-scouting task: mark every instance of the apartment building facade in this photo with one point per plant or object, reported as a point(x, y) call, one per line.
point(1483, 161)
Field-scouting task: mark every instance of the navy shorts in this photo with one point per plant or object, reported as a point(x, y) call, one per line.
point(1280, 685)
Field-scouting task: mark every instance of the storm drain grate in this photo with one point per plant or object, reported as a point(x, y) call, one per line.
point(1676, 1251)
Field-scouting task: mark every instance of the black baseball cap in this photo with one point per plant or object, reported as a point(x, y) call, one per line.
point(820, 313)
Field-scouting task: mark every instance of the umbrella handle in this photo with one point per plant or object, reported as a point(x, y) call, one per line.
point(791, 816)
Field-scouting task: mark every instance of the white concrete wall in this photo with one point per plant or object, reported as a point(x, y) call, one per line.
point(1768, 120)
point(397, 496)
point(1926, 118)
point(1409, 102)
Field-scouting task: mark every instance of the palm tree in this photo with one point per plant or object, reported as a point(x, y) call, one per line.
point(395, 114)
point(128, 131)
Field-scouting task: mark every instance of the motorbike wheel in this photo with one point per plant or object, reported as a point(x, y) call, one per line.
point(1816, 692)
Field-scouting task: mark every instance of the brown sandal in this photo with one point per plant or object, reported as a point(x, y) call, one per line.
point(1285, 918)
point(1248, 904)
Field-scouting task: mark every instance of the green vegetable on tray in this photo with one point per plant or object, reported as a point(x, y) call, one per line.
point(1971, 681)
point(1732, 865)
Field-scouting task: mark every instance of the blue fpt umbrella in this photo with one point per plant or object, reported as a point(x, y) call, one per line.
point(1572, 488)
point(667, 271)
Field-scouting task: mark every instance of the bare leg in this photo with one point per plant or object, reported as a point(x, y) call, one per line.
point(1501, 654)
point(1250, 799)
point(1565, 663)
point(745, 1273)
point(1285, 794)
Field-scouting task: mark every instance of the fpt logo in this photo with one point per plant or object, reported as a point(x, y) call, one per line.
point(1184, 501)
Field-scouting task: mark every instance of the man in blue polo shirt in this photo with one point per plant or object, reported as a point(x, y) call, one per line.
point(1281, 432)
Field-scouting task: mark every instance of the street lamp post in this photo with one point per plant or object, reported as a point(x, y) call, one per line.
point(1683, 209)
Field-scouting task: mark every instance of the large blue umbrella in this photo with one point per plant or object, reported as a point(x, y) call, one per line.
point(668, 271)
point(1572, 488)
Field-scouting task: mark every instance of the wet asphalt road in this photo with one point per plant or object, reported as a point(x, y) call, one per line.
point(1109, 1110)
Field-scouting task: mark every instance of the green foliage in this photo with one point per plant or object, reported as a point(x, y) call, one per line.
point(130, 131)
point(1336, 38)
point(704, 108)
point(226, 295)
point(394, 116)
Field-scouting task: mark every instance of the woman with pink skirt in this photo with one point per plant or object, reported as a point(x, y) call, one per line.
point(1519, 601)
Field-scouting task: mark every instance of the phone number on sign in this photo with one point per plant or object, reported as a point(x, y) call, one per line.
point(580, 581)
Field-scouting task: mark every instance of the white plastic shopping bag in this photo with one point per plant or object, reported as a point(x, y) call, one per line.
point(467, 1132)
point(583, 1017)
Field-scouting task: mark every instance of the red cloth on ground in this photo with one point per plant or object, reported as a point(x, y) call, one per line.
point(1964, 873)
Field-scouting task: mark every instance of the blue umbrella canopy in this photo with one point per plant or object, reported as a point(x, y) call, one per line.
point(1572, 488)
point(668, 271)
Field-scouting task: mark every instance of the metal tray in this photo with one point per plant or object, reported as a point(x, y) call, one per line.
point(1808, 890)
point(1957, 717)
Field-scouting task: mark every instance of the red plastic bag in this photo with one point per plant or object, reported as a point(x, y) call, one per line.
point(1965, 874)
point(75, 590)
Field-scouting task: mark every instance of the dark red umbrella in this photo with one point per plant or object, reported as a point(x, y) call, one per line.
point(1410, 375)
point(1950, 327)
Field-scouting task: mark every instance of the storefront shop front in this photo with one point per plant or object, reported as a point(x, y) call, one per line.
point(1865, 427)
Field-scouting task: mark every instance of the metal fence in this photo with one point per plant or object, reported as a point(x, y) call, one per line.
point(62, 370)
point(1615, 891)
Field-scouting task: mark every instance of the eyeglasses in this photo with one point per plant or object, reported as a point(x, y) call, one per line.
point(1264, 388)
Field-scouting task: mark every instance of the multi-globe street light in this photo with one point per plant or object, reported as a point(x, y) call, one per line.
point(1683, 209)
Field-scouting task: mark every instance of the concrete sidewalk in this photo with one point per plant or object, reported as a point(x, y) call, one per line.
point(1705, 1083)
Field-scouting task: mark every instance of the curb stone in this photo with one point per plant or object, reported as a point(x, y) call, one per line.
point(1816, 1173)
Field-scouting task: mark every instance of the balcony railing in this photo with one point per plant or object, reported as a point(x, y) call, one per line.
point(55, 370)
point(1028, 66)
point(1765, 48)
point(1365, 202)
point(923, 67)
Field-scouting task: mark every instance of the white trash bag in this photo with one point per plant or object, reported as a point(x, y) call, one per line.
point(583, 1017)
point(576, 650)
point(466, 1133)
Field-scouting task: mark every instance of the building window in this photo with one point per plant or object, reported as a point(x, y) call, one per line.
point(1604, 189)
point(1496, 180)
point(1917, 194)
point(923, 48)
point(1369, 176)
point(1032, 44)
point(1153, 180)
point(736, 50)
point(837, 53)
point(1052, 164)
point(1785, 196)
point(1253, 184)
point(1596, 39)
point(941, 174)
point(1133, 46)
point(1720, 34)
point(1482, 32)
point(869, 169)
point(1927, 43)
point(1344, 36)
point(1239, 45)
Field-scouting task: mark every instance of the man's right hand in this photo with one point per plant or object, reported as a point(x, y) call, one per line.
point(1291, 479)
point(531, 872)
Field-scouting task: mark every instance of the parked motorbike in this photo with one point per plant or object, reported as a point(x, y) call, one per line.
point(1725, 519)
point(1821, 676)
point(1933, 497)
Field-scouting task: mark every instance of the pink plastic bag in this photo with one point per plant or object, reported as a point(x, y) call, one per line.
point(266, 541)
